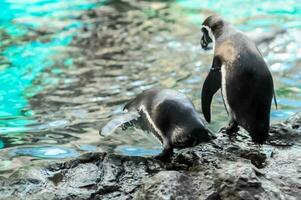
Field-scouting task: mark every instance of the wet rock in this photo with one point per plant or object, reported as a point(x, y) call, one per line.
point(226, 168)
point(294, 122)
point(90, 176)
point(231, 180)
point(286, 133)
point(169, 185)
point(239, 181)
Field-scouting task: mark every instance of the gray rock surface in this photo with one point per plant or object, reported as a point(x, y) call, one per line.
point(226, 168)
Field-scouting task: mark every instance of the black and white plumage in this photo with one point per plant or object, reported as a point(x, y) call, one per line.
point(169, 115)
point(239, 69)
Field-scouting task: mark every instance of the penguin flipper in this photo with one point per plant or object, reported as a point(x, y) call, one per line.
point(211, 85)
point(116, 122)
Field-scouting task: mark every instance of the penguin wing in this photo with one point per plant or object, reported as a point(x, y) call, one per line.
point(211, 85)
point(116, 122)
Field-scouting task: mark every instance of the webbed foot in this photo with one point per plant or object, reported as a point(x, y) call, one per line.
point(231, 128)
point(165, 155)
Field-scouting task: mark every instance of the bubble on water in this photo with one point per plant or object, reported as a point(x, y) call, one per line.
point(87, 147)
point(35, 128)
point(46, 152)
point(282, 114)
point(138, 151)
point(289, 102)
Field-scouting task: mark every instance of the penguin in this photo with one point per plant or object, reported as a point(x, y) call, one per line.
point(246, 83)
point(169, 115)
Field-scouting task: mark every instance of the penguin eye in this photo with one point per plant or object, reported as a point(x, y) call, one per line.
point(214, 28)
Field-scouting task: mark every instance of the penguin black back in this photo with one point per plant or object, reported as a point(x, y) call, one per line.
point(171, 118)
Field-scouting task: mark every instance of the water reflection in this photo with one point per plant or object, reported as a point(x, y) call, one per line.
point(1, 144)
point(138, 151)
point(65, 69)
point(33, 39)
point(44, 152)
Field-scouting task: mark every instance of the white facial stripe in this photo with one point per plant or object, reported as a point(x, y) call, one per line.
point(210, 35)
point(149, 119)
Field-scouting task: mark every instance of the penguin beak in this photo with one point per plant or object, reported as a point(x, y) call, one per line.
point(206, 135)
point(206, 39)
point(205, 43)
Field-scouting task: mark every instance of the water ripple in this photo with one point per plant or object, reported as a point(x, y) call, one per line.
point(49, 152)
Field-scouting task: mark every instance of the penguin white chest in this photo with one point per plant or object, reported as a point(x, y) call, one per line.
point(224, 90)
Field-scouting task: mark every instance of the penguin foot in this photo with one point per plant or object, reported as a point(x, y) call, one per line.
point(232, 128)
point(165, 155)
point(229, 130)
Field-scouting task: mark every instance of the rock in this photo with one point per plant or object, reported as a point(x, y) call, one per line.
point(90, 176)
point(226, 168)
point(242, 181)
point(167, 185)
point(286, 133)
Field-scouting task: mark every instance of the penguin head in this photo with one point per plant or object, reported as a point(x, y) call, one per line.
point(212, 28)
point(203, 134)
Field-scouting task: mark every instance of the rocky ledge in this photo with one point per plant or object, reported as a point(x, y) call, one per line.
point(226, 168)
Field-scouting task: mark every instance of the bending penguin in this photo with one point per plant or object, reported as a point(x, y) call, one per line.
point(170, 116)
point(246, 83)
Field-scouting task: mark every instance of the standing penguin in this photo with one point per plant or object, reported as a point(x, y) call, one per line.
point(239, 69)
point(169, 115)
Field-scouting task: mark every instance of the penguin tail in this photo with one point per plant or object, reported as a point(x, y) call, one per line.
point(275, 101)
point(118, 121)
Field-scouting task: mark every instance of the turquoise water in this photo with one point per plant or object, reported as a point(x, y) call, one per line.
point(32, 35)
point(54, 98)
point(24, 57)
